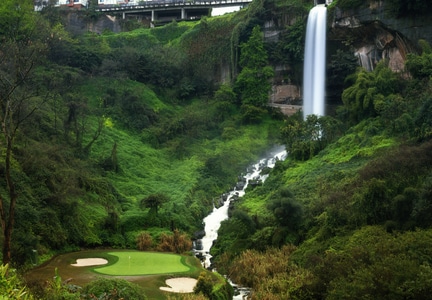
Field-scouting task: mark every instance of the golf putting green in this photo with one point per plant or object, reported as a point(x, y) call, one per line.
point(143, 263)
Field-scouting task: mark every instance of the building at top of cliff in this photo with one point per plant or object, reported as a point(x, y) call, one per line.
point(72, 3)
point(78, 4)
point(119, 2)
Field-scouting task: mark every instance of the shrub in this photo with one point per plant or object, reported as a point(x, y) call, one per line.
point(177, 242)
point(112, 289)
point(11, 286)
point(56, 289)
point(144, 241)
point(204, 284)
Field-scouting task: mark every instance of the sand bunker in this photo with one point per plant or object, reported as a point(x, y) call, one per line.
point(85, 262)
point(180, 285)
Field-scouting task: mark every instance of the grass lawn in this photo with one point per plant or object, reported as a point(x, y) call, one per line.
point(147, 269)
point(132, 263)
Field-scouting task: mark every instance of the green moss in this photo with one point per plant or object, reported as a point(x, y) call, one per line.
point(171, 32)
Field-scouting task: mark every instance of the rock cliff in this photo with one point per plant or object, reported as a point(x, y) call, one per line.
point(376, 35)
point(371, 33)
point(77, 23)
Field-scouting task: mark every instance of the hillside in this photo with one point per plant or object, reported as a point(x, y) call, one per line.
point(118, 140)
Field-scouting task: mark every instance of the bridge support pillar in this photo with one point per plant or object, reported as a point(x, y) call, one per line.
point(152, 15)
point(124, 15)
point(183, 14)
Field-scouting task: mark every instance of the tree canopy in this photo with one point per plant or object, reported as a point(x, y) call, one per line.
point(253, 81)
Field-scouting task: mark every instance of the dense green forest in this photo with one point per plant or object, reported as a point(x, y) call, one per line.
point(123, 140)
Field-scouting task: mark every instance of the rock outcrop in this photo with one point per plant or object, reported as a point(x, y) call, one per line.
point(376, 35)
point(77, 23)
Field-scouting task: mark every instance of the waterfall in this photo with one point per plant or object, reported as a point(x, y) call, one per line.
point(367, 56)
point(314, 65)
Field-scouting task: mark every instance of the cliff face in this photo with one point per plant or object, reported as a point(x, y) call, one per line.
point(375, 35)
point(370, 33)
point(76, 23)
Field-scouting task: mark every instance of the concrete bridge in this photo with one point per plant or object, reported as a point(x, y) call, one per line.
point(162, 11)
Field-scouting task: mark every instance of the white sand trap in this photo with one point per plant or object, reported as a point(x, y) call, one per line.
point(180, 285)
point(85, 262)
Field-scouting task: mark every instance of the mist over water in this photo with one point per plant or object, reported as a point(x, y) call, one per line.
point(314, 65)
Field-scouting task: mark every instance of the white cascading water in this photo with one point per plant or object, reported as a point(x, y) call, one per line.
point(366, 56)
point(314, 65)
point(213, 220)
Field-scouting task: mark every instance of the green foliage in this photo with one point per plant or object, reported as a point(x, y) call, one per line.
point(16, 19)
point(407, 8)
point(286, 210)
point(341, 65)
point(423, 121)
point(112, 289)
point(305, 138)
point(234, 234)
point(171, 32)
point(349, 4)
point(225, 99)
point(11, 287)
point(21, 51)
point(419, 66)
point(154, 201)
point(272, 274)
point(375, 263)
point(63, 49)
point(252, 114)
point(253, 54)
point(213, 286)
point(385, 197)
point(140, 39)
point(160, 66)
point(421, 204)
point(364, 98)
point(207, 48)
point(253, 80)
point(204, 284)
point(57, 289)
point(290, 48)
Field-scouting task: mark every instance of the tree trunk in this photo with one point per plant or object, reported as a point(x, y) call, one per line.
point(9, 220)
point(7, 235)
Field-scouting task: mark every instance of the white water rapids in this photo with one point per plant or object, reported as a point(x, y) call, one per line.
point(213, 220)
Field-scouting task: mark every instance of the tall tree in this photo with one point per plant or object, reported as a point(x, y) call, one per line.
point(20, 52)
point(154, 202)
point(253, 82)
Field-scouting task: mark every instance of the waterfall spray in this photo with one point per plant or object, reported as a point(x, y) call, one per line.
point(314, 65)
